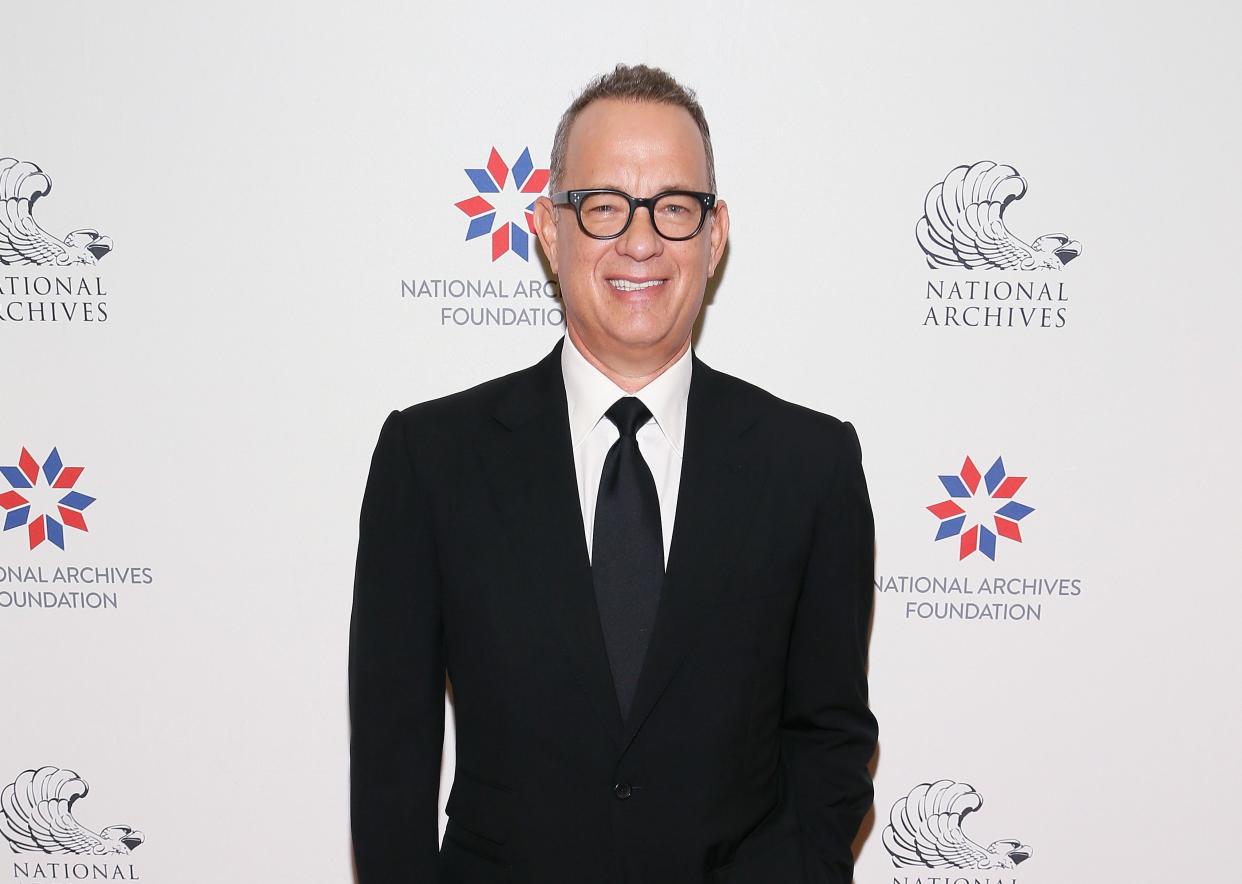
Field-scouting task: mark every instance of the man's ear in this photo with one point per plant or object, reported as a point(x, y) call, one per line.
point(545, 229)
point(719, 232)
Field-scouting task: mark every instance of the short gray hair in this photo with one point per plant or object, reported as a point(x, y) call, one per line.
point(632, 83)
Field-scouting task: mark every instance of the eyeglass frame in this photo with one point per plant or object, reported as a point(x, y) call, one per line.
point(575, 197)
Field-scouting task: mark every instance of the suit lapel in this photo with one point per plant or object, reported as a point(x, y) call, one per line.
point(721, 476)
point(531, 470)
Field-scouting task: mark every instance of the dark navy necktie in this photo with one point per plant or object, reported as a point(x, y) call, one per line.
point(627, 550)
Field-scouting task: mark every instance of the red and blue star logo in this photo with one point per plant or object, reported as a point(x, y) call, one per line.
point(43, 526)
point(510, 236)
point(1000, 489)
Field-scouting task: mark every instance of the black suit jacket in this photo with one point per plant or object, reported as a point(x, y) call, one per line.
point(744, 759)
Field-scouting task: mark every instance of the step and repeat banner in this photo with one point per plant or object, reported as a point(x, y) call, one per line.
point(999, 239)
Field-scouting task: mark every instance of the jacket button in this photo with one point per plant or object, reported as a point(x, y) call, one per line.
point(622, 790)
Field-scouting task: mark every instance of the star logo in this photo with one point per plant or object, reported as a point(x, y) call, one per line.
point(995, 504)
point(510, 236)
point(17, 507)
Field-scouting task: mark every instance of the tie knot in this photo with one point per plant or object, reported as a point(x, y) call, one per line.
point(628, 414)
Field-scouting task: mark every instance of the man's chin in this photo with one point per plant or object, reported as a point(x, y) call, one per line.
point(638, 337)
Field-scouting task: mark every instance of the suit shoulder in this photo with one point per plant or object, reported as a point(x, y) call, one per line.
point(798, 424)
point(460, 411)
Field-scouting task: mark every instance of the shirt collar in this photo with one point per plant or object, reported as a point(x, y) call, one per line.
point(589, 393)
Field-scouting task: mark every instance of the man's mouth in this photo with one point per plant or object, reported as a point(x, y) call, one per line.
point(629, 285)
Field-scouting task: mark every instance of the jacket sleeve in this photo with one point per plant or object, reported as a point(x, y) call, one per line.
point(396, 674)
point(828, 734)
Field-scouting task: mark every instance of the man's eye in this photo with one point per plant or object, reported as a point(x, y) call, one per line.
point(602, 210)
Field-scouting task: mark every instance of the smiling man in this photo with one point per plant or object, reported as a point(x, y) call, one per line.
point(649, 582)
point(635, 285)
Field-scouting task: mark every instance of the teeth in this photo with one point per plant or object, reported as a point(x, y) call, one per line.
point(626, 286)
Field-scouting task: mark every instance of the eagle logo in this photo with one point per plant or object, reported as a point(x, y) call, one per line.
point(925, 830)
point(36, 816)
point(22, 240)
point(963, 224)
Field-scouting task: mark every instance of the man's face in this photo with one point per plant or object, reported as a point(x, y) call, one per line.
point(642, 149)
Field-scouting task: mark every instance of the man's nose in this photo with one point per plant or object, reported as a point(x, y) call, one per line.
point(640, 240)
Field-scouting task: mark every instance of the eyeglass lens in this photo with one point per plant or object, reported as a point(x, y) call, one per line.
point(675, 215)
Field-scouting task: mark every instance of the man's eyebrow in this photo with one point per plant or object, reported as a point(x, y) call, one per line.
point(661, 189)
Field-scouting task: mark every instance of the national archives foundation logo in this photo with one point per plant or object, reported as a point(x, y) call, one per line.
point(1002, 520)
point(37, 819)
point(964, 228)
point(510, 290)
point(63, 286)
point(926, 831)
point(43, 526)
point(40, 500)
point(981, 510)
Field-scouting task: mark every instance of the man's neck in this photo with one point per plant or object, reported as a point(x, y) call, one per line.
point(630, 378)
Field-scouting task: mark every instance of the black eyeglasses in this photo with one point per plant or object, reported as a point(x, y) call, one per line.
point(606, 214)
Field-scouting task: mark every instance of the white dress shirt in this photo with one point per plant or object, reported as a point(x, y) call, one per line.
point(589, 394)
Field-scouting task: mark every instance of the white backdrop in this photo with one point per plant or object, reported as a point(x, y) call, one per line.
point(276, 183)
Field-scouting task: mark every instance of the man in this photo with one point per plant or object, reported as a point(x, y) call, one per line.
point(649, 582)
